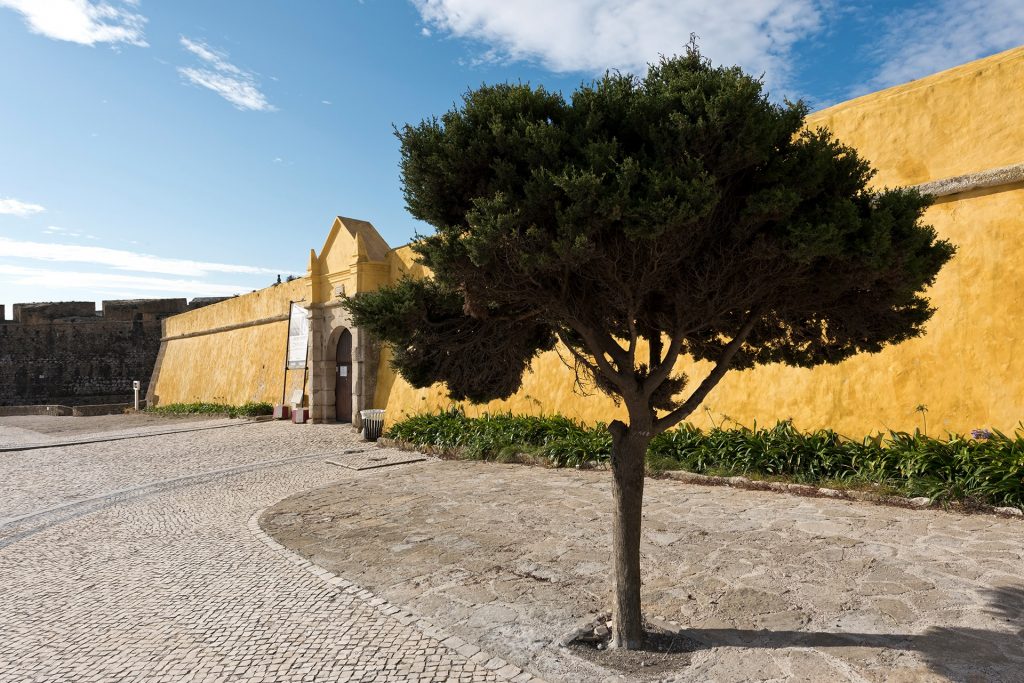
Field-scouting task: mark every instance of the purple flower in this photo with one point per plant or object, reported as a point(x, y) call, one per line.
point(981, 434)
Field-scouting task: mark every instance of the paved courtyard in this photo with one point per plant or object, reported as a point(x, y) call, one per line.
point(766, 586)
point(147, 559)
point(140, 560)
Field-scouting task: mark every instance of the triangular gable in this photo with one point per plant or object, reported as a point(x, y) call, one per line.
point(349, 241)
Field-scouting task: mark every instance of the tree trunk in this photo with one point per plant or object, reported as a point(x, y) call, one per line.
point(629, 447)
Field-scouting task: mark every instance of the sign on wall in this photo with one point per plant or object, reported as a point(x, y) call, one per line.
point(298, 337)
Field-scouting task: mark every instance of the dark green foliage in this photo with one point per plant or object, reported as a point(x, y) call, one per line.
point(961, 469)
point(413, 314)
point(958, 468)
point(582, 447)
point(250, 409)
point(685, 209)
point(563, 441)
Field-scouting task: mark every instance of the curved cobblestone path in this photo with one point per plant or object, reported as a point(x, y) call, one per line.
point(138, 560)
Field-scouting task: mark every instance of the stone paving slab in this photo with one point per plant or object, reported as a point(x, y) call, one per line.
point(181, 585)
point(771, 586)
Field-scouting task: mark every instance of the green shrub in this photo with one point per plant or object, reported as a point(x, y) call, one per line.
point(988, 469)
point(580, 448)
point(492, 437)
point(250, 409)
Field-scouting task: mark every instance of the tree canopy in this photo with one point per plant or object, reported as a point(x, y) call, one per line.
point(644, 219)
point(684, 208)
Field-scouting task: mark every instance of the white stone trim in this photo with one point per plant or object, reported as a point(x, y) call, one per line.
point(227, 328)
point(993, 177)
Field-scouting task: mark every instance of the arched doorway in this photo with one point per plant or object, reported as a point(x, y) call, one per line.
point(343, 379)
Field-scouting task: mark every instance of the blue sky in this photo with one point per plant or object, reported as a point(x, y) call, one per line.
point(186, 147)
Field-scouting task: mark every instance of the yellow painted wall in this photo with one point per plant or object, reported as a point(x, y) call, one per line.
point(247, 364)
point(234, 366)
point(353, 256)
point(969, 367)
point(963, 120)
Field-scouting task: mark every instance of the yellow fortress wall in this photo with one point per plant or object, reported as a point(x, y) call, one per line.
point(234, 351)
point(224, 363)
point(968, 369)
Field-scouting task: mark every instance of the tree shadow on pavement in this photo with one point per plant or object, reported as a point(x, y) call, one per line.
point(960, 654)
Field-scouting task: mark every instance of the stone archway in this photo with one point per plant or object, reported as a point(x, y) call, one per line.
point(329, 324)
point(343, 378)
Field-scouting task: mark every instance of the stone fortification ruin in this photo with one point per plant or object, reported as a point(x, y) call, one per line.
point(954, 135)
point(68, 353)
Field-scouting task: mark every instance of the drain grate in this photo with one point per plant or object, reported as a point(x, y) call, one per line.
point(372, 458)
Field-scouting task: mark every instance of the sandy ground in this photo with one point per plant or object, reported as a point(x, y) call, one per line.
point(768, 586)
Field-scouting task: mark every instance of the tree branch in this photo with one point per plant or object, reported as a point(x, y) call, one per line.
point(664, 368)
point(621, 356)
point(580, 358)
point(633, 336)
point(597, 350)
point(578, 361)
point(655, 346)
point(713, 378)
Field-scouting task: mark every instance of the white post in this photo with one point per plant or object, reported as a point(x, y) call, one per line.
point(135, 385)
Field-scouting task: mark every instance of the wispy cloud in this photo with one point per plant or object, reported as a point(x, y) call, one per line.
point(594, 35)
point(119, 259)
point(236, 85)
point(63, 232)
point(85, 22)
point(111, 283)
point(14, 207)
point(939, 35)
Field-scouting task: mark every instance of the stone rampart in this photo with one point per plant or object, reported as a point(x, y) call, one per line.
point(67, 353)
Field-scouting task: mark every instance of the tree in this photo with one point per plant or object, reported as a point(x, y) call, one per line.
point(683, 213)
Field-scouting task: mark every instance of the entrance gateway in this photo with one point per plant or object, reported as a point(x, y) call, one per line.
point(343, 378)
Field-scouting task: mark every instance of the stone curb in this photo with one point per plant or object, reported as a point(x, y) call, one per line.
point(804, 490)
point(819, 492)
point(502, 669)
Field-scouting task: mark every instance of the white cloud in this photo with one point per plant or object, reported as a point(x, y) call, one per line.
point(944, 34)
point(54, 230)
point(82, 21)
point(14, 207)
point(120, 259)
point(113, 283)
point(593, 35)
point(236, 85)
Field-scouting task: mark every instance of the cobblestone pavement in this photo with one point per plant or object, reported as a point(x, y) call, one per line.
point(35, 480)
point(175, 581)
point(766, 586)
point(33, 432)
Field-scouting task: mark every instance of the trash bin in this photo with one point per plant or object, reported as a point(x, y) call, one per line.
point(373, 423)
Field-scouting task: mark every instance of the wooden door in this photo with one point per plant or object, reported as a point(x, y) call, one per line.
point(343, 379)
